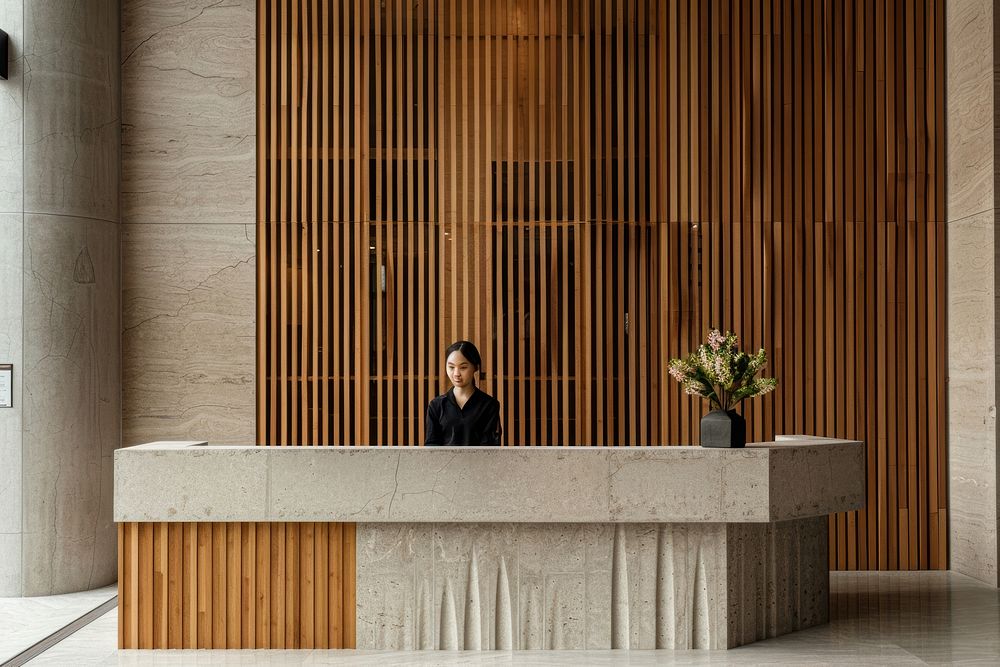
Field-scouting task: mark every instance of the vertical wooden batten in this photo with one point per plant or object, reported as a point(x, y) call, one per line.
point(584, 187)
point(236, 585)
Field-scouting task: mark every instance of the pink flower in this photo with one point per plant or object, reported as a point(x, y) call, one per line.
point(715, 339)
point(721, 371)
point(692, 388)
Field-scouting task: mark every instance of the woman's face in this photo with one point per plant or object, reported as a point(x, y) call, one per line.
point(461, 372)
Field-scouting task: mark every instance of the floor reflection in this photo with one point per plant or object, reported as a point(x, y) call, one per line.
point(889, 618)
point(937, 616)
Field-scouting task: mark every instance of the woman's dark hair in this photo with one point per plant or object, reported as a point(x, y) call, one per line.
point(468, 351)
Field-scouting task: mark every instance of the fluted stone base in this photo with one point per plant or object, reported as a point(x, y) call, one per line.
point(576, 586)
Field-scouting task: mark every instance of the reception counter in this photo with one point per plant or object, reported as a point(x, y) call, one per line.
point(477, 547)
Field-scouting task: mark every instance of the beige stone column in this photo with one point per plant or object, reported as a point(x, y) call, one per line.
point(60, 144)
point(972, 288)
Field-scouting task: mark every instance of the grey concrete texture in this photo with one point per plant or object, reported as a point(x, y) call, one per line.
point(509, 586)
point(60, 288)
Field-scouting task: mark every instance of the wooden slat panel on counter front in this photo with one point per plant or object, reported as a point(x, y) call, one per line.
point(584, 187)
point(191, 585)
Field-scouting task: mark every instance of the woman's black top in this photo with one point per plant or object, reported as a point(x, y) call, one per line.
point(478, 423)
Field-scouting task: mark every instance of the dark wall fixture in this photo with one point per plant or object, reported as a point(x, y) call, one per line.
point(3, 55)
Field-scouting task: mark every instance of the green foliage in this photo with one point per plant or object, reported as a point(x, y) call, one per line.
point(720, 372)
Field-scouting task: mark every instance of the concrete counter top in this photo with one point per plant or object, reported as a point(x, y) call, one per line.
point(795, 477)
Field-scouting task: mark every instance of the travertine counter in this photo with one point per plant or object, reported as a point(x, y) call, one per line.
point(547, 547)
point(763, 482)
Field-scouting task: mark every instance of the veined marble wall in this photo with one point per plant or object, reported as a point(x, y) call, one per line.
point(188, 213)
point(60, 294)
point(972, 288)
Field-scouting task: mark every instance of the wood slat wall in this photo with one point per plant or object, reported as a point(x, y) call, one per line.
point(236, 585)
point(583, 188)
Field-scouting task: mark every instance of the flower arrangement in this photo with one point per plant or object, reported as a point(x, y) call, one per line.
point(718, 371)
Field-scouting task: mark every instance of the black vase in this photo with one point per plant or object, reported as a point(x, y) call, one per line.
point(720, 428)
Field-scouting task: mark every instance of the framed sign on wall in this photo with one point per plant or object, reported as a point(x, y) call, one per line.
point(6, 385)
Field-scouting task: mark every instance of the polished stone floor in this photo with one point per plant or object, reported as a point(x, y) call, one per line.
point(907, 618)
point(26, 621)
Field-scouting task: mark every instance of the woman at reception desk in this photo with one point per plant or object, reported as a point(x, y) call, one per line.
point(465, 546)
point(465, 414)
point(477, 547)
